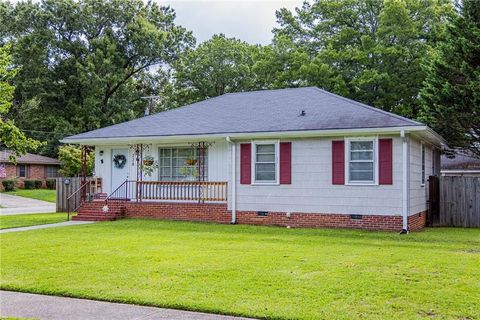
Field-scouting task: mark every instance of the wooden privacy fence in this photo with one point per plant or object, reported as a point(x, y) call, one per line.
point(459, 202)
point(64, 191)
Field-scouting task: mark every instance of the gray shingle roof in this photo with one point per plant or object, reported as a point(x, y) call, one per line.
point(257, 111)
point(28, 158)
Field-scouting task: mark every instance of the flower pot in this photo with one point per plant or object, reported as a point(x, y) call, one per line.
point(147, 162)
point(191, 162)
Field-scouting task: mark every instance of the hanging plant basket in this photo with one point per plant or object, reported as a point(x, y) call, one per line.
point(191, 162)
point(147, 162)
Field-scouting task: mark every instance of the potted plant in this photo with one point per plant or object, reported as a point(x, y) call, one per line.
point(191, 162)
point(190, 172)
point(148, 165)
point(148, 161)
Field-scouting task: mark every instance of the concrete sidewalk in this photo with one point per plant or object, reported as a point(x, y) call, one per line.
point(26, 305)
point(21, 205)
point(44, 226)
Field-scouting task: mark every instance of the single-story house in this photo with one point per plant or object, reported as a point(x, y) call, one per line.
point(29, 166)
point(461, 165)
point(301, 157)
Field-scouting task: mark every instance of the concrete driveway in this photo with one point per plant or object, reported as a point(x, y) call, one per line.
point(26, 305)
point(21, 205)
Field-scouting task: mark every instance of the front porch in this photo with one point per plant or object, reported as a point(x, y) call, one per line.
point(175, 200)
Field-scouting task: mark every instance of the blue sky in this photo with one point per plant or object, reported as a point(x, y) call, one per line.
point(251, 21)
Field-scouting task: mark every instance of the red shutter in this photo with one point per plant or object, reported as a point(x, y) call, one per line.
point(285, 162)
point(245, 163)
point(338, 162)
point(385, 161)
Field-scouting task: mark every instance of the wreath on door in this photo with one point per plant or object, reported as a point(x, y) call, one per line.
point(119, 160)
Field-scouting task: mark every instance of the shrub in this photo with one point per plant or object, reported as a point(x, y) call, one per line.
point(38, 184)
point(8, 185)
point(51, 183)
point(29, 184)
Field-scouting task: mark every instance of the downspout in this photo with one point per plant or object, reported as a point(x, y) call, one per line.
point(406, 180)
point(233, 180)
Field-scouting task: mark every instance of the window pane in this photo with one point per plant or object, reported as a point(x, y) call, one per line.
point(266, 167)
point(361, 176)
point(266, 157)
point(266, 148)
point(265, 176)
point(22, 171)
point(361, 155)
point(361, 166)
point(361, 145)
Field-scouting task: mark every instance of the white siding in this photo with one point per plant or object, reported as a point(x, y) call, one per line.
point(419, 192)
point(312, 190)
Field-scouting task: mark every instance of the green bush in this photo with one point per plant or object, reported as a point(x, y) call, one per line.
point(38, 184)
point(8, 185)
point(51, 183)
point(29, 184)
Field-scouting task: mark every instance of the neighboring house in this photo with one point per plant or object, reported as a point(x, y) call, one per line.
point(29, 166)
point(461, 165)
point(299, 157)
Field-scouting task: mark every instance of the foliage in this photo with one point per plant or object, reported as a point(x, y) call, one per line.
point(39, 194)
point(51, 184)
point(149, 165)
point(38, 184)
point(10, 135)
point(84, 63)
point(9, 185)
point(29, 184)
point(215, 67)
point(70, 157)
point(451, 92)
point(26, 220)
point(258, 272)
point(368, 50)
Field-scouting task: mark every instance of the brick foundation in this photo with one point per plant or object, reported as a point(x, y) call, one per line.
point(207, 212)
point(218, 213)
point(417, 221)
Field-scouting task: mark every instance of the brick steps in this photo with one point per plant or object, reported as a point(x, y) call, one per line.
point(93, 211)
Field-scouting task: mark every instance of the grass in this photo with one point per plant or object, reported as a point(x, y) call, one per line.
point(264, 272)
point(39, 194)
point(25, 220)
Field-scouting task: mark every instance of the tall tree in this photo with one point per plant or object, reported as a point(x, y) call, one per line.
point(10, 136)
point(451, 91)
point(369, 50)
point(217, 66)
point(85, 63)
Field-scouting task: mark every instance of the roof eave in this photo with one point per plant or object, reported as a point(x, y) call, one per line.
point(247, 135)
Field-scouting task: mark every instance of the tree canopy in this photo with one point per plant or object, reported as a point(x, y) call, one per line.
point(10, 135)
point(84, 63)
point(451, 91)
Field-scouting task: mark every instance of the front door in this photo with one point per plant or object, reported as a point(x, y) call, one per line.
point(119, 167)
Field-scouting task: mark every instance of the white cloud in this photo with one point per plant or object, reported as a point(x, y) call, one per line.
point(251, 21)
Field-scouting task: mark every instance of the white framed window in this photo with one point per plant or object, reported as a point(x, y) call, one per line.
point(181, 164)
point(423, 162)
point(265, 162)
point(361, 160)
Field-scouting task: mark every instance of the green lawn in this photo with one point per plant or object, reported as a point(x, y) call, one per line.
point(25, 220)
point(39, 194)
point(253, 271)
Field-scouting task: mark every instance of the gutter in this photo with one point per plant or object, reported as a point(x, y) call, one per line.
point(233, 179)
point(406, 182)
